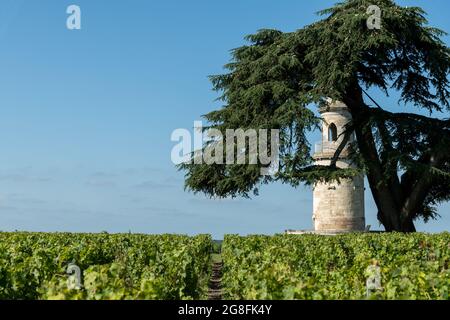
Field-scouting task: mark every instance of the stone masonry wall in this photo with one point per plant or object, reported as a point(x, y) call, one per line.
point(338, 206)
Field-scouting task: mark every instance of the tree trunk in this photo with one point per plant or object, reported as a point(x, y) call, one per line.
point(386, 199)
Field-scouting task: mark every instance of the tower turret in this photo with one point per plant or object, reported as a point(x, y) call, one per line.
point(337, 207)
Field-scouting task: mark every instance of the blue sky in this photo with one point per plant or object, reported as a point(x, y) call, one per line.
point(86, 115)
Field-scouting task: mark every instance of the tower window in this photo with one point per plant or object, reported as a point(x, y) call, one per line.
point(332, 133)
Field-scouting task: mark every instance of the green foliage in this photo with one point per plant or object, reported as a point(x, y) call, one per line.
point(33, 266)
point(405, 53)
point(122, 266)
point(265, 89)
point(273, 82)
point(276, 80)
point(414, 266)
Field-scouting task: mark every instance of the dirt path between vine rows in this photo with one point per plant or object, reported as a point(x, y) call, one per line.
point(215, 283)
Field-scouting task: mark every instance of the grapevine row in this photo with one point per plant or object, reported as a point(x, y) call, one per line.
point(412, 266)
point(124, 266)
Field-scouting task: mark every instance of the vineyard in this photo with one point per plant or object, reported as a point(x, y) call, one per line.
point(132, 266)
point(415, 266)
point(34, 266)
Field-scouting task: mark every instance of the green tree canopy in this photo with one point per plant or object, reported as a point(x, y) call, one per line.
point(274, 80)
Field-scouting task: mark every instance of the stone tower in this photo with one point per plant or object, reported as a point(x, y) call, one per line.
point(337, 207)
